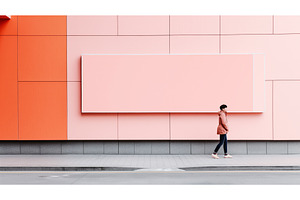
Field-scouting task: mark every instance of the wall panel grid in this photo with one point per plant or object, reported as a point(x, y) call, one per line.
point(149, 25)
point(40, 82)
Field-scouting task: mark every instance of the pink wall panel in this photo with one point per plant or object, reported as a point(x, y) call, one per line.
point(281, 52)
point(194, 44)
point(241, 126)
point(246, 24)
point(88, 126)
point(194, 126)
point(189, 24)
point(92, 25)
point(286, 114)
point(142, 126)
point(166, 83)
point(253, 126)
point(259, 82)
point(143, 25)
point(77, 45)
point(286, 24)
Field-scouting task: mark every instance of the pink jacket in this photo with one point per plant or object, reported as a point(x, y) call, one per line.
point(223, 123)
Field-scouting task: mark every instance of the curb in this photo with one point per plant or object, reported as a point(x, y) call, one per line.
point(203, 168)
point(68, 168)
point(240, 168)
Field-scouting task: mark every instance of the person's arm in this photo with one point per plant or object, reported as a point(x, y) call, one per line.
point(223, 121)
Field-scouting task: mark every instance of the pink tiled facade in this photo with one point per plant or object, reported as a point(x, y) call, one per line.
point(274, 42)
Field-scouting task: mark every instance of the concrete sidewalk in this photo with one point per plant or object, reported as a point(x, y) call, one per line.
point(146, 162)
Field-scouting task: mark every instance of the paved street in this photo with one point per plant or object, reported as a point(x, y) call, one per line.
point(152, 177)
point(149, 169)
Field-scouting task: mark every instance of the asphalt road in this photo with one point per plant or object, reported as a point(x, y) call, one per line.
point(289, 177)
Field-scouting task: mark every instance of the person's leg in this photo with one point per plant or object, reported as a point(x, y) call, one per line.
point(225, 144)
point(220, 144)
point(225, 149)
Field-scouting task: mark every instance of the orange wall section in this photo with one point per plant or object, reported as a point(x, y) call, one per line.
point(9, 27)
point(42, 58)
point(8, 88)
point(43, 111)
point(42, 25)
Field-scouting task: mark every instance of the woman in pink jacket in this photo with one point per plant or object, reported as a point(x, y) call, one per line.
point(222, 130)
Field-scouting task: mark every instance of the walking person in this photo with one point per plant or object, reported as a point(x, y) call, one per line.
point(222, 130)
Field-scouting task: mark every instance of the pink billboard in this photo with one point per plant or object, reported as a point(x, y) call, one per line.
point(171, 83)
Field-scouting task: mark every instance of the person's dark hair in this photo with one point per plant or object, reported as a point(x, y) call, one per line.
point(223, 106)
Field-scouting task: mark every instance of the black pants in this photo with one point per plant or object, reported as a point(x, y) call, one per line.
point(223, 139)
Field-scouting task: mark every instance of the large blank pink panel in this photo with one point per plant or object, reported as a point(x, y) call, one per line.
point(242, 126)
point(77, 45)
point(246, 24)
point(286, 116)
point(190, 24)
point(143, 25)
point(166, 83)
point(151, 126)
point(281, 52)
point(88, 126)
point(259, 82)
point(92, 25)
point(286, 24)
point(194, 44)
